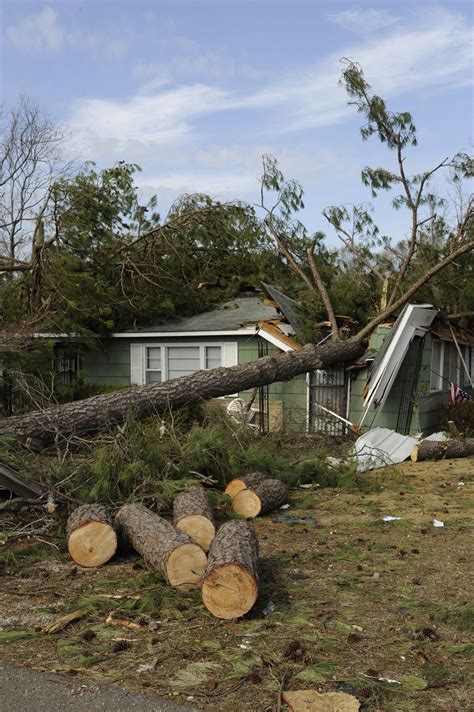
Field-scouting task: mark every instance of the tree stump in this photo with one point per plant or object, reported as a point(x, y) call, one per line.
point(230, 582)
point(434, 450)
point(92, 540)
point(246, 482)
point(261, 498)
point(161, 545)
point(192, 513)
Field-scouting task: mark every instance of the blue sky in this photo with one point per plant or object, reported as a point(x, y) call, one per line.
point(196, 91)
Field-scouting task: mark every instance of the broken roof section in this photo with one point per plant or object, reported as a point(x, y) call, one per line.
point(413, 321)
point(290, 309)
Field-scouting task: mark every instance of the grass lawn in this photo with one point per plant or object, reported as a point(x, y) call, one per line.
point(346, 598)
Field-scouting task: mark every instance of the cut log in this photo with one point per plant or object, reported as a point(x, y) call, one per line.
point(245, 482)
point(161, 545)
point(262, 498)
point(435, 450)
point(92, 540)
point(192, 513)
point(230, 582)
point(38, 429)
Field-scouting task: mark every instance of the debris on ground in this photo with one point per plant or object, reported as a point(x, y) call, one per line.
point(313, 701)
point(64, 621)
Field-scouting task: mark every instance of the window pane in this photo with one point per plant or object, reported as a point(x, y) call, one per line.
point(153, 357)
point(153, 376)
point(213, 356)
point(183, 360)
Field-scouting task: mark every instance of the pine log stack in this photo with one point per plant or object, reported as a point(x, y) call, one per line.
point(435, 450)
point(92, 540)
point(246, 482)
point(161, 545)
point(192, 514)
point(230, 581)
point(261, 498)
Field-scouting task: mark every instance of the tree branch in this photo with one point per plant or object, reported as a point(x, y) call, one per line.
point(367, 330)
point(323, 292)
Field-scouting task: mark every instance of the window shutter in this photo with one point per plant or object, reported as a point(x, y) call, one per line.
point(137, 376)
point(230, 355)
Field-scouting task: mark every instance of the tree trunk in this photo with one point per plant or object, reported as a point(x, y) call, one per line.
point(247, 481)
point(230, 582)
point(260, 499)
point(92, 540)
point(39, 429)
point(161, 545)
point(432, 450)
point(192, 513)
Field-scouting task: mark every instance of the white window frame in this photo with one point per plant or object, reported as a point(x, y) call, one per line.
point(138, 357)
point(437, 370)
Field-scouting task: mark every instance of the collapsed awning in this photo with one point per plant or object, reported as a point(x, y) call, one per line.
point(413, 321)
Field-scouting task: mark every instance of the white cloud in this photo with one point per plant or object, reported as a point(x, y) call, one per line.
point(159, 119)
point(37, 32)
point(43, 32)
point(361, 20)
point(434, 52)
point(186, 60)
point(179, 135)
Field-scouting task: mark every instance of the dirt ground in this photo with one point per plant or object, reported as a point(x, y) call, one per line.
point(346, 599)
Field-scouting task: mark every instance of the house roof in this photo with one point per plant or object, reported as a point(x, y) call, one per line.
point(290, 309)
point(234, 315)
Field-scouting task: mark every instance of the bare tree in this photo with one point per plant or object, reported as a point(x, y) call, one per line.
point(30, 161)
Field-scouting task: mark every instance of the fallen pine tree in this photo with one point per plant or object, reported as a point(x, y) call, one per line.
point(39, 429)
point(435, 450)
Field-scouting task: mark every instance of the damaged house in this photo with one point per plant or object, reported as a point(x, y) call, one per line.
point(408, 372)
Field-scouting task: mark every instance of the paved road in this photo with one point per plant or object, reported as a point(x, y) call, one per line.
point(24, 690)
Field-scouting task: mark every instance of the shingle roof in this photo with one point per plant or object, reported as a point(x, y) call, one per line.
point(230, 316)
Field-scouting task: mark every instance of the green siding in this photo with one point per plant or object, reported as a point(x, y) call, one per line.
point(428, 407)
point(110, 366)
point(292, 393)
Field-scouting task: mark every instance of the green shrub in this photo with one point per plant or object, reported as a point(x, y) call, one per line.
point(462, 414)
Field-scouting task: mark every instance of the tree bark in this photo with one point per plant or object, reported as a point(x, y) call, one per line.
point(161, 545)
point(247, 481)
point(230, 582)
point(39, 429)
point(192, 514)
point(432, 450)
point(92, 540)
point(260, 499)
